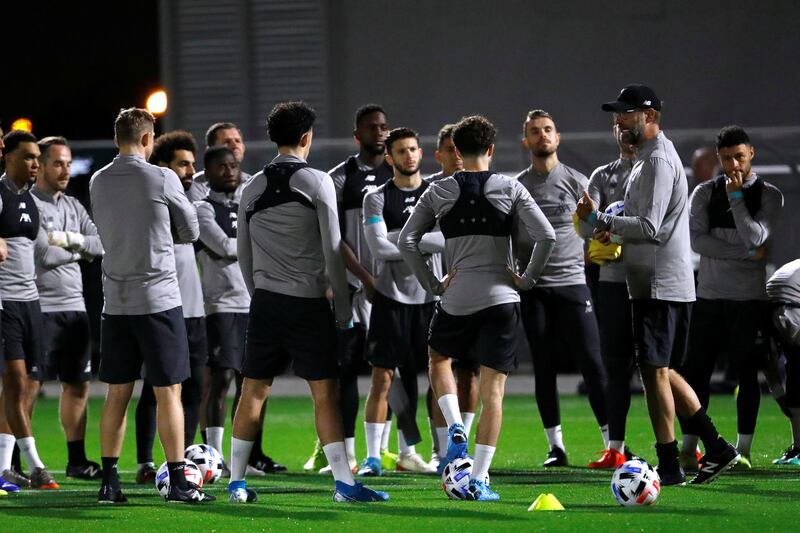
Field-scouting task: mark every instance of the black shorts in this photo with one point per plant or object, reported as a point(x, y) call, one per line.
point(660, 332)
point(196, 337)
point(398, 334)
point(67, 354)
point(488, 337)
point(614, 320)
point(155, 343)
point(226, 339)
point(286, 330)
point(22, 334)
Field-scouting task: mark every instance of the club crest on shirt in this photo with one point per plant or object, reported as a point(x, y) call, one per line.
point(234, 219)
point(409, 209)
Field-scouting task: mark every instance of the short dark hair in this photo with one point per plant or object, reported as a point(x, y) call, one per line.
point(211, 133)
point(445, 133)
point(167, 144)
point(14, 138)
point(47, 142)
point(132, 123)
point(215, 152)
point(474, 135)
point(398, 134)
point(367, 109)
point(732, 136)
point(539, 113)
point(289, 121)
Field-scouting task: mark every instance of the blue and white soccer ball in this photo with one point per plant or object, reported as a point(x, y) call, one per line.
point(635, 483)
point(208, 461)
point(192, 473)
point(616, 209)
point(455, 478)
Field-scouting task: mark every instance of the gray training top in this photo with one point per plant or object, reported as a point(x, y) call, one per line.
point(136, 207)
point(18, 272)
point(606, 186)
point(727, 269)
point(288, 247)
point(784, 285)
point(200, 188)
point(189, 281)
point(395, 278)
point(655, 227)
point(481, 278)
point(61, 286)
point(223, 284)
point(556, 193)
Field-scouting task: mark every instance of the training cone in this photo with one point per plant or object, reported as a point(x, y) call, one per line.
point(546, 502)
point(3, 493)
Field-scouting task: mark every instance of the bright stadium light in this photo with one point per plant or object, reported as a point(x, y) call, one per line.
point(157, 102)
point(22, 124)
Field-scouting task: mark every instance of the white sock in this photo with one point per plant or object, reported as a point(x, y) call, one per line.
point(240, 455)
point(27, 449)
point(449, 406)
point(483, 460)
point(441, 438)
point(350, 447)
point(387, 430)
point(795, 421)
point(373, 433)
point(402, 446)
point(604, 433)
point(215, 434)
point(337, 458)
point(689, 443)
point(6, 450)
point(555, 437)
point(744, 443)
point(618, 445)
point(468, 419)
point(434, 437)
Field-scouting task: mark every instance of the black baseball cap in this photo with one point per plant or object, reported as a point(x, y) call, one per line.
point(633, 97)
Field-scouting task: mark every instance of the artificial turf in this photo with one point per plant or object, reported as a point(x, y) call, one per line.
point(761, 499)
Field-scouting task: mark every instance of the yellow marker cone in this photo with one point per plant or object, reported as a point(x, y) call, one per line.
point(3, 493)
point(546, 502)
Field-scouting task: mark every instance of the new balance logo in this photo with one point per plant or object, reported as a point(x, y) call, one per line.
point(92, 471)
point(709, 467)
point(588, 306)
point(411, 199)
point(370, 177)
point(22, 205)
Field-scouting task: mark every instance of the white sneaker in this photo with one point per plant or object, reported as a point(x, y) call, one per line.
point(254, 472)
point(434, 462)
point(413, 462)
point(351, 461)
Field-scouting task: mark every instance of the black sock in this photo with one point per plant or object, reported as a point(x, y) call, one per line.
point(700, 424)
point(256, 453)
point(76, 452)
point(668, 455)
point(16, 463)
point(177, 477)
point(110, 474)
point(203, 436)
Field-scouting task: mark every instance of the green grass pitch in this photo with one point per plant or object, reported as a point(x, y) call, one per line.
point(762, 499)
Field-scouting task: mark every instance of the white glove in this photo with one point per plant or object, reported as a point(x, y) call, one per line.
point(75, 241)
point(58, 238)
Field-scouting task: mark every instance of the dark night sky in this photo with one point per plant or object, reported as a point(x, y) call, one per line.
point(70, 66)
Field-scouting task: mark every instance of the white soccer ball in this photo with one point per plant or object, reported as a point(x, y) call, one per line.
point(455, 478)
point(615, 208)
point(635, 483)
point(207, 459)
point(192, 473)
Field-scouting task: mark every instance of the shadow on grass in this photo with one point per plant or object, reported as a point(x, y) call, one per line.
point(654, 509)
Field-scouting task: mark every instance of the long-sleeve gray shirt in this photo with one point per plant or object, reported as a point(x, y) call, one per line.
point(224, 289)
point(480, 261)
point(655, 227)
point(556, 193)
point(200, 187)
point(189, 281)
point(784, 285)
point(287, 248)
point(137, 207)
point(606, 186)
point(727, 270)
point(395, 279)
point(61, 286)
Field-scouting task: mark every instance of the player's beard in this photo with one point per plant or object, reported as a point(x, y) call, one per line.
point(408, 171)
point(374, 149)
point(545, 152)
point(632, 136)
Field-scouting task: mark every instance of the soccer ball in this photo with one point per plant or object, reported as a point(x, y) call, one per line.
point(192, 473)
point(207, 459)
point(615, 208)
point(635, 483)
point(455, 478)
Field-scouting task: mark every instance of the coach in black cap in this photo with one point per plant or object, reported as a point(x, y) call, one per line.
point(632, 98)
